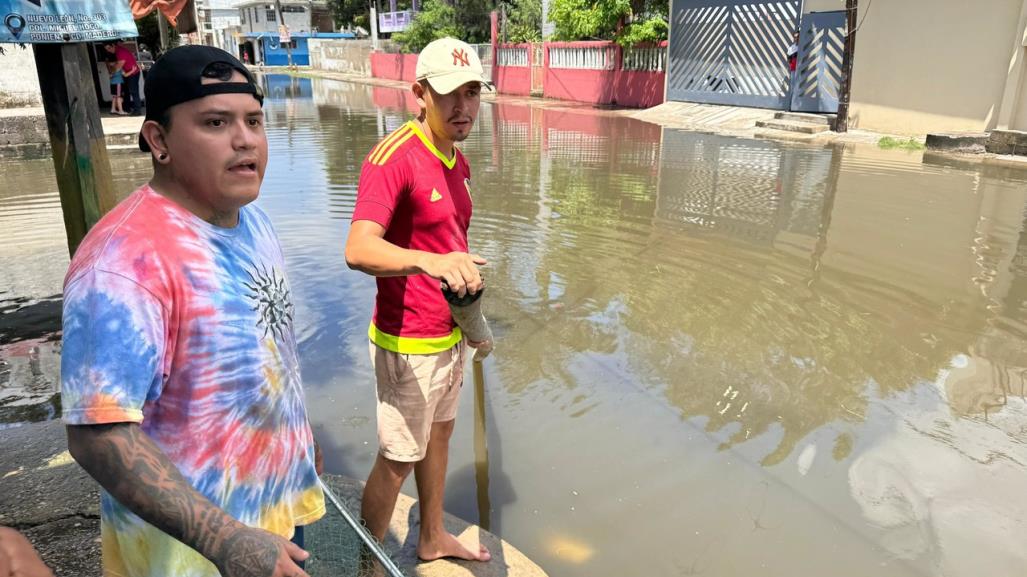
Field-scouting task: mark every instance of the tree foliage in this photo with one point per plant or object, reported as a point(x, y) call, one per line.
point(523, 21)
point(625, 21)
point(648, 29)
point(437, 19)
point(350, 13)
point(587, 19)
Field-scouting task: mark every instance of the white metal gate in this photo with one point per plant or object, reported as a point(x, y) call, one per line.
point(732, 51)
point(818, 75)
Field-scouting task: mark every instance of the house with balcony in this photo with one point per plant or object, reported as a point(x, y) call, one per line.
point(218, 20)
point(261, 29)
point(396, 20)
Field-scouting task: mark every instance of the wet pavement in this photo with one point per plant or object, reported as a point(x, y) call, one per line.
point(715, 355)
point(50, 499)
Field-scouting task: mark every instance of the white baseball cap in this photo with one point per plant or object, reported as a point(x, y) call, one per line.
point(448, 64)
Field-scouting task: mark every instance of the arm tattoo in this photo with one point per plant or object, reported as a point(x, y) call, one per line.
point(127, 463)
point(250, 555)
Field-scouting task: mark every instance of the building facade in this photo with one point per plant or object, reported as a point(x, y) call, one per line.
point(300, 17)
point(259, 31)
point(919, 66)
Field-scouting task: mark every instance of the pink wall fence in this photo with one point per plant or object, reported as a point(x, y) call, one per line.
point(593, 72)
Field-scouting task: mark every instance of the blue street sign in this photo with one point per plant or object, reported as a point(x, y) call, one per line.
point(61, 21)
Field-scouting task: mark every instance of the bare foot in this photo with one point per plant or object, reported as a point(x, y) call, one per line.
point(368, 565)
point(448, 546)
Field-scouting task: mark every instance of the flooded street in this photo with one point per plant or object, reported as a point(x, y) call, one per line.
point(715, 356)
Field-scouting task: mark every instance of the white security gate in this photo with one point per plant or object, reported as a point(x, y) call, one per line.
point(732, 51)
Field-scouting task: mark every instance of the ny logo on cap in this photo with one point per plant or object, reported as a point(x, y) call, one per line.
point(460, 57)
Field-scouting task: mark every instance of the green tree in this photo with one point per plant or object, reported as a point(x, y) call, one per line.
point(651, 28)
point(523, 21)
point(347, 13)
point(437, 19)
point(587, 19)
point(474, 18)
point(467, 20)
point(626, 21)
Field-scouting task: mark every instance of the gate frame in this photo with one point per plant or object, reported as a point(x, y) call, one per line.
point(782, 102)
point(821, 101)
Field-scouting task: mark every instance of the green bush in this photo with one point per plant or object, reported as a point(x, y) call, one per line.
point(889, 143)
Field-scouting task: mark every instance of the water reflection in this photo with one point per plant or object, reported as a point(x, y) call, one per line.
point(715, 355)
point(769, 293)
point(33, 260)
point(756, 324)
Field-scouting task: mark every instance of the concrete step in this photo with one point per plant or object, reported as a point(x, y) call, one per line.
point(772, 134)
point(966, 142)
point(117, 138)
point(827, 119)
point(800, 127)
point(124, 149)
point(1007, 142)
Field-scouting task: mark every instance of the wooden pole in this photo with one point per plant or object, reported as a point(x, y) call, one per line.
point(845, 89)
point(481, 450)
point(76, 137)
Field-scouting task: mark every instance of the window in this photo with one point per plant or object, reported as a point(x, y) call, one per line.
point(271, 16)
point(293, 9)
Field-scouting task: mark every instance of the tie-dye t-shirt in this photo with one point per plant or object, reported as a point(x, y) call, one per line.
point(186, 328)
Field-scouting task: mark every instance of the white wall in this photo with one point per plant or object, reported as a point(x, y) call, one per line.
point(19, 84)
point(346, 56)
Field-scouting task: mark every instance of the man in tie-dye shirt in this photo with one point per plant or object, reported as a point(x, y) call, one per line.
point(181, 383)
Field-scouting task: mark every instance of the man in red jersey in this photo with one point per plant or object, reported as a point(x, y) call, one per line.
point(410, 231)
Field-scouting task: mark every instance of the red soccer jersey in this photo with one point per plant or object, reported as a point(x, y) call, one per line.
point(423, 200)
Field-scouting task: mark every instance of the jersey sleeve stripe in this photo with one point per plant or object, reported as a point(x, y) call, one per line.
point(394, 148)
point(384, 144)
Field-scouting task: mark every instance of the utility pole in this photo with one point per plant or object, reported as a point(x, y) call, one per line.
point(842, 124)
point(374, 26)
point(162, 26)
point(505, 25)
point(283, 32)
point(196, 18)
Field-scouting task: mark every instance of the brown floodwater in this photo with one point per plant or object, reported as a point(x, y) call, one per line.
point(715, 356)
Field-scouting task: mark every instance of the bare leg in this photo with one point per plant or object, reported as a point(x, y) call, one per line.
point(380, 493)
point(434, 541)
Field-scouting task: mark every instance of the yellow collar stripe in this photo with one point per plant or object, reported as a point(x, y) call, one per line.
point(448, 162)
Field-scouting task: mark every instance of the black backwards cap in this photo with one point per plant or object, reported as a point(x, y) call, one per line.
point(176, 77)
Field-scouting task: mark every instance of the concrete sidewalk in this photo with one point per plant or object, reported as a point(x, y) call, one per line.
point(23, 132)
point(737, 121)
point(48, 497)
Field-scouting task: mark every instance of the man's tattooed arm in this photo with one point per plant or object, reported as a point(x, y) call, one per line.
point(127, 463)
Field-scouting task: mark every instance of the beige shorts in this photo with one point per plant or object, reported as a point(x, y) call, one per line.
point(413, 392)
